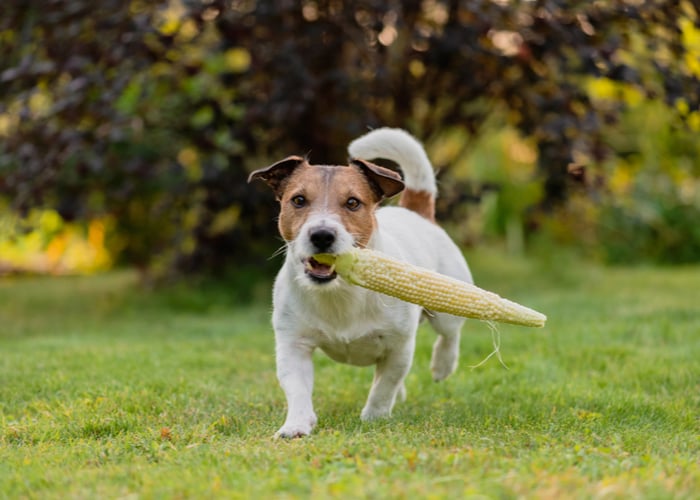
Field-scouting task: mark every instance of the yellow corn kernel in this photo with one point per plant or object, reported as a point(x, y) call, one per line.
point(433, 291)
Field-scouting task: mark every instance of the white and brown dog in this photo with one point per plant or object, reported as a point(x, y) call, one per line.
point(330, 209)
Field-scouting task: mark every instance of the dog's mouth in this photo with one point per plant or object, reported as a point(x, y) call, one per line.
point(320, 273)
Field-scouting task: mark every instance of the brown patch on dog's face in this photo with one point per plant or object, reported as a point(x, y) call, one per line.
point(343, 192)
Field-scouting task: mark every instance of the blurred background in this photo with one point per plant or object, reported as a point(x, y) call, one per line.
point(128, 127)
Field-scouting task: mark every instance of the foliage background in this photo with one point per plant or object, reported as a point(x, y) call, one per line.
point(135, 124)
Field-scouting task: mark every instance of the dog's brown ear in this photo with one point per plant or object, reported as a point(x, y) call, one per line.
point(276, 174)
point(386, 182)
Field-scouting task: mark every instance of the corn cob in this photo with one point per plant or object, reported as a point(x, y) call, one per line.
point(435, 292)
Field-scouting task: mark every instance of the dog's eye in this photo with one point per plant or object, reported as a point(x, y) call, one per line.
point(299, 201)
point(353, 203)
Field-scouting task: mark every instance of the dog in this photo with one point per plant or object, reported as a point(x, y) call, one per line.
point(331, 209)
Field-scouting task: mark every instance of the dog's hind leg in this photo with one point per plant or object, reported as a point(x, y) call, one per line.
point(401, 395)
point(446, 348)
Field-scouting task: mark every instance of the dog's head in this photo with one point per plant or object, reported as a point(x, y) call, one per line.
point(326, 209)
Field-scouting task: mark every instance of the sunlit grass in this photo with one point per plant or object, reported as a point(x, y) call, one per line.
point(108, 391)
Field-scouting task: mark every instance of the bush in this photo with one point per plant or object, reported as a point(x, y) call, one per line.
point(655, 223)
point(153, 113)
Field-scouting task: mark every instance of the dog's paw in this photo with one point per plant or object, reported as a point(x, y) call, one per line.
point(441, 372)
point(445, 359)
point(291, 430)
point(368, 414)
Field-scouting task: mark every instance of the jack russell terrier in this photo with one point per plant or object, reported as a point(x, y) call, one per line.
point(330, 209)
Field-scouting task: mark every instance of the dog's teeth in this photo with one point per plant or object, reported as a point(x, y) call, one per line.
point(308, 265)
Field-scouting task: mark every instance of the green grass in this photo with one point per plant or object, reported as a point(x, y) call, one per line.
point(109, 391)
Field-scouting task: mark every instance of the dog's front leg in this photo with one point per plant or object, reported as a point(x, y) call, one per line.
point(295, 372)
point(388, 381)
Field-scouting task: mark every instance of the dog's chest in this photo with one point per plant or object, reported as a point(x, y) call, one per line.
point(358, 330)
point(360, 351)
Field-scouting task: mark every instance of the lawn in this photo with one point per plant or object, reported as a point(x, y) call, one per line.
point(108, 390)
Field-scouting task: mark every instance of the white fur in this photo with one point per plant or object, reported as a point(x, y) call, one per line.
point(356, 326)
point(401, 147)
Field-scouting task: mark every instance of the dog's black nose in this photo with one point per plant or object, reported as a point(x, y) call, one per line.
point(322, 239)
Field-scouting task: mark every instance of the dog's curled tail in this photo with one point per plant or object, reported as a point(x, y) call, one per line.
point(402, 148)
